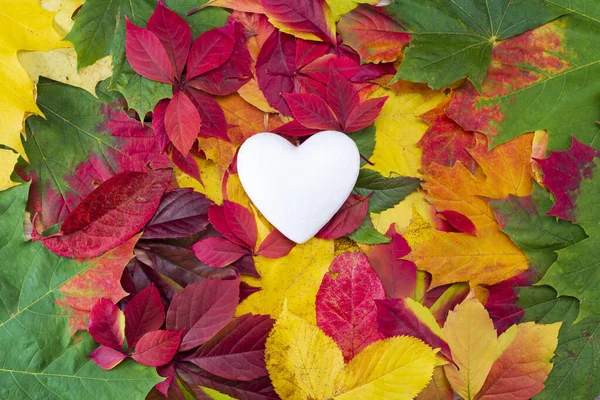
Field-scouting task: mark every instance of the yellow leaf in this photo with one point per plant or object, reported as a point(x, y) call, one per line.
point(402, 213)
point(439, 388)
point(295, 277)
point(64, 9)
point(303, 362)
point(7, 164)
point(399, 129)
point(211, 180)
point(24, 25)
point(472, 339)
point(397, 368)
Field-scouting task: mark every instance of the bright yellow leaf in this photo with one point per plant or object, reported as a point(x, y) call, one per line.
point(303, 362)
point(472, 339)
point(295, 277)
point(7, 163)
point(211, 181)
point(402, 213)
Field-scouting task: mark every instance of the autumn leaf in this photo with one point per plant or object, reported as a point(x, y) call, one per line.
point(311, 20)
point(8, 159)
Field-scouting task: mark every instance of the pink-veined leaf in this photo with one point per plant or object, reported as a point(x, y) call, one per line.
point(147, 55)
point(182, 122)
point(311, 111)
point(107, 324)
point(364, 114)
point(275, 245)
point(144, 313)
point(210, 50)
point(347, 219)
point(106, 357)
point(157, 348)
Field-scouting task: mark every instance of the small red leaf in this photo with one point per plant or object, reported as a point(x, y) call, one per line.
point(107, 358)
point(295, 128)
point(203, 309)
point(241, 222)
point(187, 164)
point(246, 266)
point(275, 245)
point(311, 111)
point(213, 119)
point(147, 55)
point(342, 97)
point(174, 34)
point(182, 122)
point(347, 219)
point(110, 215)
point(157, 348)
point(218, 252)
point(459, 222)
point(107, 324)
point(158, 124)
point(216, 216)
point(210, 50)
point(144, 313)
point(364, 114)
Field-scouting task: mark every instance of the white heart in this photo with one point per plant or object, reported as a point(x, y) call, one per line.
point(298, 189)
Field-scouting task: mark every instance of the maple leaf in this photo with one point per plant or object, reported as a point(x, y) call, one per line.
point(8, 159)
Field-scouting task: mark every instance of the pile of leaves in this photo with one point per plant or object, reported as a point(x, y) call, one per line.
point(464, 264)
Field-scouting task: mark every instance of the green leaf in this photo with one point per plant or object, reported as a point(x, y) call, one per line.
point(39, 359)
point(453, 39)
point(542, 305)
point(365, 141)
point(367, 234)
point(387, 192)
point(524, 219)
point(201, 21)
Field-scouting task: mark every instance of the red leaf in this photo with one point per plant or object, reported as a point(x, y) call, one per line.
point(166, 371)
point(110, 215)
point(308, 51)
point(182, 122)
point(294, 128)
point(245, 266)
point(187, 164)
point(144, 313)
point(203, 309)
point(147, 55)
point(230, 76)
point(347, 219)
point(311, 111)
point(174, 34)
point(218, 252)
point(345, 305)
point(237, 351)
point(158, 123)
point(308, 17)
point(364, 114)
point(181, 213)
point(107, 324)
point(241, 222)
point(216, 216)
point(210, 50)
point(107, 358)
point(342, 97)
point(213, 119)
point(275, 245)
point(502, 301)
point(157, 348)
point(459, 222)
point(398, 276)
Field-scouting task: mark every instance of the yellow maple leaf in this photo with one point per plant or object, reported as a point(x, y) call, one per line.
point(472, 339)
point(304, 363)
point(8, 159)
point(24, 25)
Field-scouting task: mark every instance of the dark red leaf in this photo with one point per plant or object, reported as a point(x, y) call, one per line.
point(308, 50)
point(174, 34)
point(203, 309)
point(210, 50)
point(319, 68)
point(311, 111)
point(364, 114)
point(181, 213)
point(213, 119)
point(347, 219)
point(247, 290)
point(107, 358)
point(308, 17)
point(216, 216)
point(342, 97)
point(157, 348)
point(158, 124)
point(187, 164)
point(237, 351)
point(245, 266)
point(147, 55)
point(294, 128)
point(107, 324)
point(502, 301)
point(110, 215)
point(144, 275)
point(218, 252)
point(166, 371)
point(144, 313)
point(275, 245)
point(241, 222)
point(459, 222)
point(182, 122)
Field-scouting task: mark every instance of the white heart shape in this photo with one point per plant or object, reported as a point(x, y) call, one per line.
point(298, 189)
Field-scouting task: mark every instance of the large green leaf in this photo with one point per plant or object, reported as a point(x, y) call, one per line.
point(385, 192)
point(365, 141)
point(367, 234)
point(453, 39)
point(38, 357)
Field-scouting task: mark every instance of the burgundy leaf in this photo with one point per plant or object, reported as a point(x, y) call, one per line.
point(275, 245)
point(213, 119)
point(308, 51)
point(237, 351)
point(158, 124)
point(174, 34)
point(181, 213)
point(245, 266)
point(157, 348)
point(182, 122)
point(364, 114)
point(144, 313)
point(311, 111)
point(107, 324)
point(459, 222)
point(347, 219)
point(307, 17)
point(295, 128)
point(166, 371)
point(210, 50)
point(187, 164)
point(216, 216)
point(241, 222)
point(247, 290)
point(502, 301)
point(203, 309)
point(218, 252)
point(110, 215)
point(342, 97)
point(144, 275)
point(147, 55)
point(107, 358)
point(319, 68)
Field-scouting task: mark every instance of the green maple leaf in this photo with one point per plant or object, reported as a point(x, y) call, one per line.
point(40, 359)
